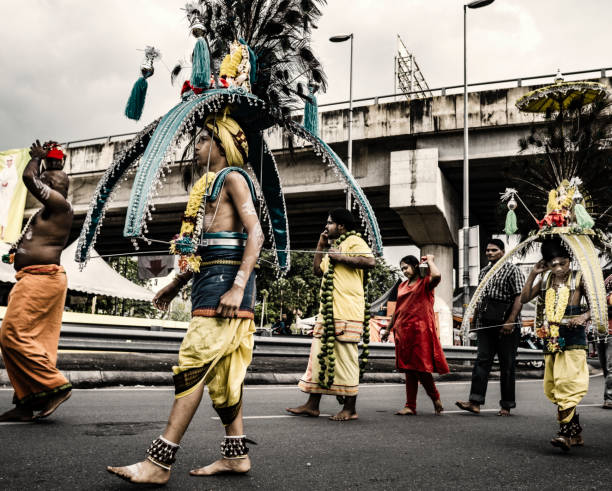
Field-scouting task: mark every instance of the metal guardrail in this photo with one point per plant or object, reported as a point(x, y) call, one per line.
point(439, 91)
point(88, 338)
point(458, 89)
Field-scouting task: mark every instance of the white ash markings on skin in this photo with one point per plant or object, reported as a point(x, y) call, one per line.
point(248, 209)
point(240, 279)
point(259, 236)
point(45, 190)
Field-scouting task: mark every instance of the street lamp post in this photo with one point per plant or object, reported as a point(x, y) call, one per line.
point(466, 161)
point(349, 160)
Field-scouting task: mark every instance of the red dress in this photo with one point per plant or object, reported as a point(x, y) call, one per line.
point(417, 346)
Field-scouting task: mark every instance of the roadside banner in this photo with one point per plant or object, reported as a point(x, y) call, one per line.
point(12, 192)
point(155, 266)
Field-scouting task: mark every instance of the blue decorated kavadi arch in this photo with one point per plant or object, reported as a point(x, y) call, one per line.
point(155, 148)
point(566, 219)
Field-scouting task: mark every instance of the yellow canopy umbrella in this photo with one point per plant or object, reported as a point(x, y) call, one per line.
point(561, 95)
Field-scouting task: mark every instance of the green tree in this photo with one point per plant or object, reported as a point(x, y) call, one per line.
point(300, 287)
point(383, 277)
point(180, 311)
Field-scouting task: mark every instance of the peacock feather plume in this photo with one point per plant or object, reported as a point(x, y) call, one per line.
point(573, 143)
point(277, 32)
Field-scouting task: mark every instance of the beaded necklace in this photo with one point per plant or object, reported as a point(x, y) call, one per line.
point(555, 303)
point(184, 244)
point(327, 359)
point(9, 258)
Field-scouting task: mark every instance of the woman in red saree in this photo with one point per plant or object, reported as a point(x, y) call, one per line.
point(418, 352)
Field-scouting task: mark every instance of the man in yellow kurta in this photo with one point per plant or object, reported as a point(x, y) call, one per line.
point(350, 260)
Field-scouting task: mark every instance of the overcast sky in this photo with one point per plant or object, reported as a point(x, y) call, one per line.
point(68, 65)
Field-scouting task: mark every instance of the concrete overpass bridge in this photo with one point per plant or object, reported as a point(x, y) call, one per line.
point(407, 156)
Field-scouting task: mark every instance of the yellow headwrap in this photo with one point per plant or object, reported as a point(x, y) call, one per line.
point(231, 136)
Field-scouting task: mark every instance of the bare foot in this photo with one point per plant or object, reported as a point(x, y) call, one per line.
point(223, 465)
point(468, 406)
point(438, 407)
point(577, 441)
point(344, 415)
point(303, 411)
point(406, 411)
point(144, 472)
point(17, 414)
point(53, 404)
point(562, 442)
point(503, 412)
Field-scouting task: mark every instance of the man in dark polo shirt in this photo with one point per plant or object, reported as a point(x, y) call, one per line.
point(497, 337)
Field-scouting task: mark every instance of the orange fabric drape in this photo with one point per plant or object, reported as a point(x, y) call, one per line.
point(30, 333)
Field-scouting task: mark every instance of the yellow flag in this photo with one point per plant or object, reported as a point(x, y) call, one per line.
point(12, 192)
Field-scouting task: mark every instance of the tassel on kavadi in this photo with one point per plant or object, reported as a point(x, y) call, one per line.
point(511, 226)
point(135, 103)
point(311, 114)
point(200, 71)
point(583, 219)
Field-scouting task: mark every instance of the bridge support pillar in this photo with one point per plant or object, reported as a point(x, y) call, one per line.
point(427, 205)
point(443, 306)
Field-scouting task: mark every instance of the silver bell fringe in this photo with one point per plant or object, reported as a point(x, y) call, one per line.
point(162, 452)
point(234, 447)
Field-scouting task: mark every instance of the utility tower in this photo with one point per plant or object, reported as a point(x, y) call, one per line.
point(408, 77)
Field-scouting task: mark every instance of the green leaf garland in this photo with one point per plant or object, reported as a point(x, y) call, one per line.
point(327, 359)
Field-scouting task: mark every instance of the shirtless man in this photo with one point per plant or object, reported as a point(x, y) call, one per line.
point(217, 348)
point(31, 327)
point(561, 324)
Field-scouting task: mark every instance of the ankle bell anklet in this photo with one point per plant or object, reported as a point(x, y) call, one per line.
point(234, 447)
point(570, 429)
point(162, 453)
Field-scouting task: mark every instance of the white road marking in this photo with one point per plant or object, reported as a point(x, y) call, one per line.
point(493, 410)
point(291, 386)
point(274, 416)
point(112, 389)
point(462, 411)
point(279, 416)
point(282, 416)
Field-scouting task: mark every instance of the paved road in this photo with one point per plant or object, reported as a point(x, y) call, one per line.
point(98, 427)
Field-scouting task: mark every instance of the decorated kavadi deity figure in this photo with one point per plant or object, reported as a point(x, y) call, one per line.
point(567, 173)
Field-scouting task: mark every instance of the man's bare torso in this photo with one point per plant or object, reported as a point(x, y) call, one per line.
point(222, 214)
point(45, 240)
point(576, 295)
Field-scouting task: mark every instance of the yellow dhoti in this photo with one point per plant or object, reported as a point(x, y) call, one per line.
point(216, 351)
point(566, 380)
point(346, 379)
point(348, 301)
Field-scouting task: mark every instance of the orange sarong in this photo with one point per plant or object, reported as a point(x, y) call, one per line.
point(30, 334)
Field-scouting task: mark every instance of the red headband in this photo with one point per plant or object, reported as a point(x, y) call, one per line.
point(187, 86)
point(55, 152)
